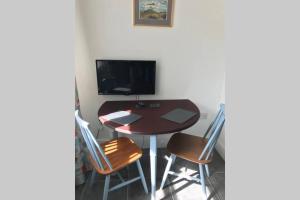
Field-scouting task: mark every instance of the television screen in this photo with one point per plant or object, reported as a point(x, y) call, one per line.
point(125, 77)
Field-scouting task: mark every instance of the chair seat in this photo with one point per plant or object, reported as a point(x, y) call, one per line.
point(120, 152)
point(188, 147)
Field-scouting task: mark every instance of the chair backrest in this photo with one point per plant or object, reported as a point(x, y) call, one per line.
point(213, 132)
point(91, 143)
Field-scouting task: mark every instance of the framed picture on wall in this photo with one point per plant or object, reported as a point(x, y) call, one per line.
point(153, 12)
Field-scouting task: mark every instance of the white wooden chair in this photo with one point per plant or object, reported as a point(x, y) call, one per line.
point(195, 149)
point(111, 156)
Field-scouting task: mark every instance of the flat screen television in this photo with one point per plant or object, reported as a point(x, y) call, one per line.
point(127, 77)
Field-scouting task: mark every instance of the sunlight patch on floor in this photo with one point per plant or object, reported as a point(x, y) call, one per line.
point(188, 190)
point(160, 194)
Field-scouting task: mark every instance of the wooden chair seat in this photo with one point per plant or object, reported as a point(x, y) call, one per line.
point(188, 147)
point(120, 152)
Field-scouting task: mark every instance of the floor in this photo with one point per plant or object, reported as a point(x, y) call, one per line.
point(175, 188)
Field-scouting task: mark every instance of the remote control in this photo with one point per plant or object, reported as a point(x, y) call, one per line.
point(154, 105)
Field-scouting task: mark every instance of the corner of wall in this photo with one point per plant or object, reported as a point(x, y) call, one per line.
point(220, 146)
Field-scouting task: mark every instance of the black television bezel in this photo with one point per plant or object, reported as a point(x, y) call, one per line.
point(126, 94)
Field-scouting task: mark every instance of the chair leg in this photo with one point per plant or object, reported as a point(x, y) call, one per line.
point(142, 176)
point(170, 162)
point(202, 179)
point(106, 187)
point(93, 177)
point(207, 170)
point(173, 161)
point(120, 177)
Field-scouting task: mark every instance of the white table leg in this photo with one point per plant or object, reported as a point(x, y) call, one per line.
point(153, 150)
point(115, 135)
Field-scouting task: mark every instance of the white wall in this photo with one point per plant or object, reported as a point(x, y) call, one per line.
point(84, 71)
point(190, 57)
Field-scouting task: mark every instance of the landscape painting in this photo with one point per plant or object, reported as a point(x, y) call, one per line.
point(153, 12)
point(156, 9)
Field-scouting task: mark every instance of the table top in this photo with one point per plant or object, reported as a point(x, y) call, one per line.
point(151, 122)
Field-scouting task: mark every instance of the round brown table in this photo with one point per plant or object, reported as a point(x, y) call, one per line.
point(150, 123)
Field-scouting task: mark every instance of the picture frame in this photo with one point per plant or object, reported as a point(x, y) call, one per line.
point(153, 12)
